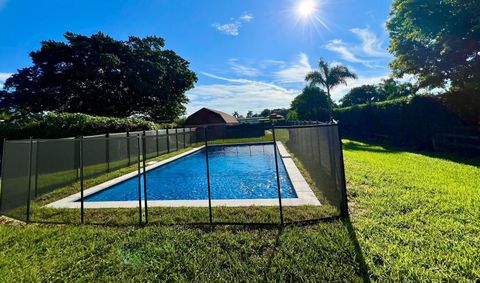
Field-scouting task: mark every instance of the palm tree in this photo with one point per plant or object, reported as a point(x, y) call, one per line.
point(329, 76)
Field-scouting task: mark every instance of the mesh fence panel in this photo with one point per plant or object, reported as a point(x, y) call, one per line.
point(187, 137)
point(118, 153)
point(172, 140)
point(162, 142)
point(199, 136)
point(177, 191)
point(128, 194)
point(314, 156)
point(56, 164)
point(56, 168)
point(15, 179)
point(181, 137)
point(310, 173)
point(151, 146)
point(95, 156)
point(243, 175)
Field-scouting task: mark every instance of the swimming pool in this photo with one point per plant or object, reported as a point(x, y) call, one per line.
point(236, 172)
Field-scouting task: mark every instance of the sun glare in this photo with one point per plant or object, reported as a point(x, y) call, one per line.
point(310, 14)
point(306, 8)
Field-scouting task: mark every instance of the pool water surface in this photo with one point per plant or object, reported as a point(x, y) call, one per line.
point(236, 172)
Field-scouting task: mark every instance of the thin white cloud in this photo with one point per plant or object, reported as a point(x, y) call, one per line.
point(371, 45)
point(345, 52)
point(233, 28)
point(367, 52)
point(246, 17)
point(3, 78)
point(239, 95)
point(228, 29)
point(272, 63)
point(296, 72)
point(242, 69)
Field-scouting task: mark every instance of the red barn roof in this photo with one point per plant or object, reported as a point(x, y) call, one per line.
point(206, 116)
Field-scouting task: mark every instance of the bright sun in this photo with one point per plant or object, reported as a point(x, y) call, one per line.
point(306, 8)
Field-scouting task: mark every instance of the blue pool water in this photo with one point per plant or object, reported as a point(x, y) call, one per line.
point(236, 172)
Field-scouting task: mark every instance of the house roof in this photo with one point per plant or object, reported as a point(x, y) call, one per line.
point(229, 119)
point(207, 116)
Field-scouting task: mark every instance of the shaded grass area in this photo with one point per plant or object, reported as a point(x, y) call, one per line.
point(415, 217)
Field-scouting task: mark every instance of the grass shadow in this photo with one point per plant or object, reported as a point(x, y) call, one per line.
point(361, 145)
point(358, 250)
point(453, 157)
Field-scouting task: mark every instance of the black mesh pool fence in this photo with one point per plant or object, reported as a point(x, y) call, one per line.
point(302, 178)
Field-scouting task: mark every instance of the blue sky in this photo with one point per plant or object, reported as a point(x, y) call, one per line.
point(248, 55)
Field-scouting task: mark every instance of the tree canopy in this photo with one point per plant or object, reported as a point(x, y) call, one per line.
point(438, 41)
point(312, 104)
point(360, 95)
point(99, 75)
point(387, 90)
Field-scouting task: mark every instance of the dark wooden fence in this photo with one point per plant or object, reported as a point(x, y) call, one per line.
point(463, 139)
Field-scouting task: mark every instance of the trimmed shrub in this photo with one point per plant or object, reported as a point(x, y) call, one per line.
point(404, 122)
point(71, 125)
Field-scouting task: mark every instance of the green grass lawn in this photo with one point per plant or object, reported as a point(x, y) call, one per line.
point(414, 217)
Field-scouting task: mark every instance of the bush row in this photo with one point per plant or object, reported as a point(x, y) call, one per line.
point(403, 122)
point(71, 125)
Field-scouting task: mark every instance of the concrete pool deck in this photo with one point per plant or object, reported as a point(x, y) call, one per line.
point(305, 195)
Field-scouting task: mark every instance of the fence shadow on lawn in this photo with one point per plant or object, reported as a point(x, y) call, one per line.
point(361, 145)
point(361, 267)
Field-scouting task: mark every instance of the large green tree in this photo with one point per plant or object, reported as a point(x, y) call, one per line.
point(386, 90)
point(390, 89)
point(438, 41)
point(329, 76)
point(360, 95)
point(312, 104)
point(102, 76)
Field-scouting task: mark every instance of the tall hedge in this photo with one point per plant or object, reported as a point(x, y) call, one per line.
point(71, 125)
point(404, 122)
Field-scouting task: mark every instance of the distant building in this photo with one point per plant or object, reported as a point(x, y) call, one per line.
point(275, 117)
point(206, 116)
point(253, 120)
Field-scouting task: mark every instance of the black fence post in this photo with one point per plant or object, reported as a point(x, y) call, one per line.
point(156, 141)
point(344, 208)
point(107, 150)
point(3, 171)
point(30, 148)
point(139, 182)
point(36, 168)
point(82, 214)
point(128, 148)
point(191, 138)
point(168, 142)
point(145, 177)
point(184, 141)
point(278, 176)
point(176, 138)
point(208, 177)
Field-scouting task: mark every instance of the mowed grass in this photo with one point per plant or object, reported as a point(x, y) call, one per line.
point(414, 217)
